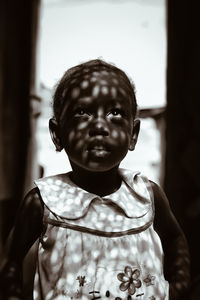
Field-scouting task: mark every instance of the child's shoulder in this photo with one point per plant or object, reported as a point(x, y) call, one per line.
point(160, 197)
point(131, 175)
point(136, 180)
point(32, 202)
point(53, 184)
point(52, 179)
point(141, 183)
point(137, 177)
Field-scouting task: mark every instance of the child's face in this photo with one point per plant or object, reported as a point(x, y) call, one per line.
point(97, 126)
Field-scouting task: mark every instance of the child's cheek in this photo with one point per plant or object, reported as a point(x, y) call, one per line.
point(118, 137)
point(75, 141)
point(123, 137)
point(70, 137)
point(73, 136)
point(79, 145)
point(82, 125)
point(76, 132)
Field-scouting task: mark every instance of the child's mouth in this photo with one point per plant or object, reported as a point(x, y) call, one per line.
point(99, 151)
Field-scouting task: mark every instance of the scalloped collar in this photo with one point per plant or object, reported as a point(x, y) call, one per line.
point(66, 200)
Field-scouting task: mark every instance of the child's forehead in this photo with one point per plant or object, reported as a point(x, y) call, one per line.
point(94, 82)
point(89, 76)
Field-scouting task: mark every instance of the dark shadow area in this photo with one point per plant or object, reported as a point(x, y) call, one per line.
point(182, 123)
point(18, 28)
point(18, 31)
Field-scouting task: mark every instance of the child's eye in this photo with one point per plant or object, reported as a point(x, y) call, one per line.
point(80, 112)
point(116, 112)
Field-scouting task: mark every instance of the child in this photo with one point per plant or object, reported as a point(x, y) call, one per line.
point(102, 230)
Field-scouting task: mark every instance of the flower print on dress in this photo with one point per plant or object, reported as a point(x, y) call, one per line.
point(149, 280)
point(81, 280)
point(152, 298)
point(130, 280)
point(78, 294)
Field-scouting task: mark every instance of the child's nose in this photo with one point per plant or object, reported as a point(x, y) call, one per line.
point(99, 127)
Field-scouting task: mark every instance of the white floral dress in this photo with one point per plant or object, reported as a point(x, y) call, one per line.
point(99, 247)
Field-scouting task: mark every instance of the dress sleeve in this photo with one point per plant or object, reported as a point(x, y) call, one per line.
point(27, 229)
point(176, 253)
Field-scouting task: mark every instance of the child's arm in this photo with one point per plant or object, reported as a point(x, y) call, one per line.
point(177, 261)
point(27, 229)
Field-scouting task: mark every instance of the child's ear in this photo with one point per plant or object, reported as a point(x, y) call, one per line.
point(54, 132)
point(136, 129)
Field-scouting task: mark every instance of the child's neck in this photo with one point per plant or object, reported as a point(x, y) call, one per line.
point(99, 183)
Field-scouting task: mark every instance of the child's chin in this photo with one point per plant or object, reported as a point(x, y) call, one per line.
point(99, 166)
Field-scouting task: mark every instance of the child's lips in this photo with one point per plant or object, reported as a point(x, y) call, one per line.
point(100, 153)
point(98, 149)
point(98, 145)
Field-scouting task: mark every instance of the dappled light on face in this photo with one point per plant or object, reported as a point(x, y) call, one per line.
point(115, 81)
point(115, 134)
point(79, 144)
point(123, 92)
point(87, 76)
point(113, 74)
point(71, 136)
point(122, 136)
point(75, 92)
point(65, 92)
point(113, 91)
point(95, 91)
point(95, 73)
point(104, 72)
point(96, 118)
point(64, 110)
point(85, 70)
point(82, 126)
point(73, 81)
point(93, 79)
point(104, 90)
point(85, 156)
point(84, 84)
point(96, 135)
point(103, 82)
point(77, 74)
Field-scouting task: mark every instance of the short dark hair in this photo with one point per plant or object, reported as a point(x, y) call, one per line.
point(97, 64)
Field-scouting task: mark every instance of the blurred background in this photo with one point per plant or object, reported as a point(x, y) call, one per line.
point(156, 42)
